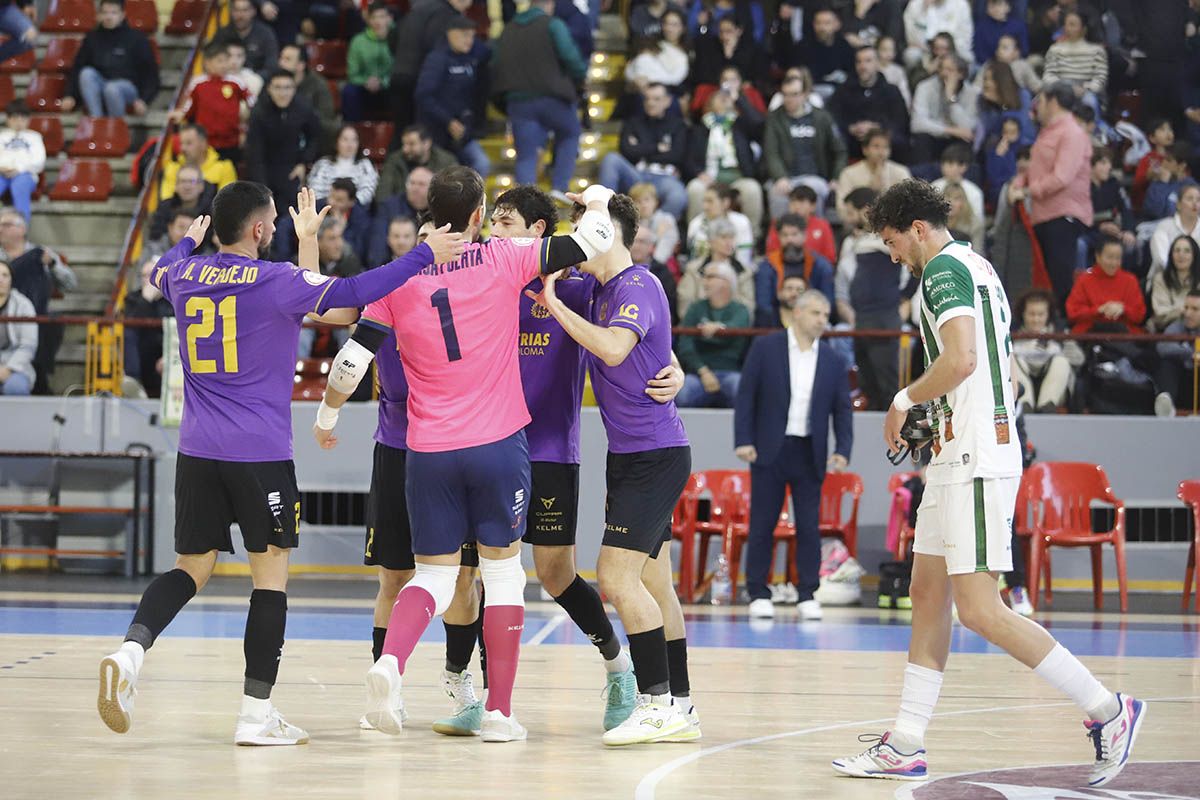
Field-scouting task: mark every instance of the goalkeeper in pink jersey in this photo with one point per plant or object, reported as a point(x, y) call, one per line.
point(468, 475)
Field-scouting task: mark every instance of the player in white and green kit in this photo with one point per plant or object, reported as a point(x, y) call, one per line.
point(964, 522)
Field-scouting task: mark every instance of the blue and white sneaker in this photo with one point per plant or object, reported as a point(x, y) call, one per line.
point(882, 760)
point(467, 719)
point(620, 696)
point(1114, 739)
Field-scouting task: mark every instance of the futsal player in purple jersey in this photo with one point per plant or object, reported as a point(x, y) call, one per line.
point(239, 319)
point(627, 335)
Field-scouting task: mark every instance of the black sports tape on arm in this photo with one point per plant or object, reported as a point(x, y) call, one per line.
point(367, 287)
point(369, 336)
point(562, 252)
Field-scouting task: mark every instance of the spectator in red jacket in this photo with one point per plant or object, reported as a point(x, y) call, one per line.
point(1162, 136)
point(1106, 298)
point(217, 103)
point(819, 238)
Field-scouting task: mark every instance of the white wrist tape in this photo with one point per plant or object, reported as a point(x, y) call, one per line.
point(597, 193)
point(594, 234)
point(349, 367)
point(902, 401)
point(327, 416)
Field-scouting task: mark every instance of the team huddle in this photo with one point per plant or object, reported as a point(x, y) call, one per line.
point(480, 351)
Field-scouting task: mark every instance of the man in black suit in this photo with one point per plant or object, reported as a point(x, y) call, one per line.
point(792, 384)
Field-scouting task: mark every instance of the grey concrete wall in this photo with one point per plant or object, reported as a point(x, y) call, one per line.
point(1145, 457)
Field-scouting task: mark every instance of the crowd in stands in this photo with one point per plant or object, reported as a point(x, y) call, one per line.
point(753, 135)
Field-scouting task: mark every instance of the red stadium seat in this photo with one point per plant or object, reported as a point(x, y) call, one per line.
point(1065, 493)
point(375, 137)
point(327, 58)
point(836, 486)
point(83, 180)
point(186, 17)
point(60, 54)
point(19, 64)
point(70, 16)
point(104, 137)
point(51, 129)
point(7, 94)
point(142, 15)
point(45, 93)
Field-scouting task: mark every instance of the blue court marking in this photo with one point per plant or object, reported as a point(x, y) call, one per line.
point(1161, 641)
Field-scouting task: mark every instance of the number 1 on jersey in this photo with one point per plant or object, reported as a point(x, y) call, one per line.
point(441, 301)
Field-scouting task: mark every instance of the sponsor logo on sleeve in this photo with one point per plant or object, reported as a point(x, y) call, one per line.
point(315, 278)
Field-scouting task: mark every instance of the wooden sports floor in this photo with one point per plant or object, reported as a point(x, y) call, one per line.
point(777, 700)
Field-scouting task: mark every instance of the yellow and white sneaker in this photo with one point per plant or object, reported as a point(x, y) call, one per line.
point(654, 719)
point(261, 724)
point(692, 732)
point(118, 688)
point(385, 706)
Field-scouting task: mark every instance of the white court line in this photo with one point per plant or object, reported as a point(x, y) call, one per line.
point(648, 785)
point(546, 629)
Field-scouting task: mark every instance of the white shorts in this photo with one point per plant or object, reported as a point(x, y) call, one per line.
point(968, 524)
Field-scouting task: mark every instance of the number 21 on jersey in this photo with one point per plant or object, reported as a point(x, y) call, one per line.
point(208, 311)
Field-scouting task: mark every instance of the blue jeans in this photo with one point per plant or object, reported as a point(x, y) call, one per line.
point(105, 98)
point(693, 395)
point(471, 154)
point(21, 187)
point(17, 384)
point(13, 24)
point(618, 174)
point(532, 121)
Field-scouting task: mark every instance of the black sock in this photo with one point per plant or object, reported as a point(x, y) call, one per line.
point(649, 653)
point(460, 643)
point(479, 636)
point(263, 643)
point(377, 636)
point(585, 608)
point(163, 599)
point(677, 662)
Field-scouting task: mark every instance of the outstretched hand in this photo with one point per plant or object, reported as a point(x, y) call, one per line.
point(198, 228)
point(546, 296)
point(307, 219)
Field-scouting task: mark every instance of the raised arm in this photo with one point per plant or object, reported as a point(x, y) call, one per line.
point(351, 364)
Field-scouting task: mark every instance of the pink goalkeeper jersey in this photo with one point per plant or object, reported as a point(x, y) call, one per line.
point(456, 328)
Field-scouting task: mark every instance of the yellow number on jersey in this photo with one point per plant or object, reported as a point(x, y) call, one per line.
point(208, 310)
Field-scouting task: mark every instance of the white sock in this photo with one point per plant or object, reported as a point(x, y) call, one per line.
point(620, 663)
point(921, 688)
point(136, 652)
point(684, 702)
point(1066, 673)
point(254, 707)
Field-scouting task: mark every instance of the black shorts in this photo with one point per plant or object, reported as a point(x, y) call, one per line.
point(389, 531)
point(555, 508)
point(210, 495)
point(643, 489)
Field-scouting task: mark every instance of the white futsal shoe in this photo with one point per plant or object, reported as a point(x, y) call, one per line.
point(468, 709)
point(261, 724)
point(1114, 739)
point(651, 721)
point(692, 732)
point(365, 725)
point(385, 706)
point(496, 727)
point(118, 688)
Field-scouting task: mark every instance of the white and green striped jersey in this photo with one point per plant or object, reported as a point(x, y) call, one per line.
point(975, 434)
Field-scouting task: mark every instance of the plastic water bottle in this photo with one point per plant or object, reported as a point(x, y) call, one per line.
point(722, 586)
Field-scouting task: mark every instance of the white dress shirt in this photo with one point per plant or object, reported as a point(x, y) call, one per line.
point(802, 371)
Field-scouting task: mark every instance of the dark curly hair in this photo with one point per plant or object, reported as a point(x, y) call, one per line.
point(905, 203)
point(532, 204)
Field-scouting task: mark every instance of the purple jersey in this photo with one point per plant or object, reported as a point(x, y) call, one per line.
point(635, 423)
point(239, 323)
point(393, 395)
point(552, 372)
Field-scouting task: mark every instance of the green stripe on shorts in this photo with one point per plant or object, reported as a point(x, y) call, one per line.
point(981, 564)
